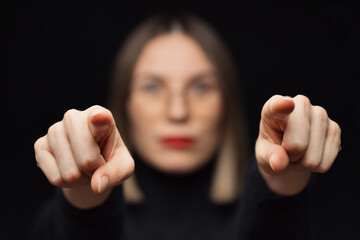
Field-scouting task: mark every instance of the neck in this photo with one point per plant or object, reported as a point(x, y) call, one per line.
point(166, 188)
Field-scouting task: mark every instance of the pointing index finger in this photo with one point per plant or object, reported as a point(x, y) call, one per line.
point(279, 107)
point(276, 111)
point(100, 122)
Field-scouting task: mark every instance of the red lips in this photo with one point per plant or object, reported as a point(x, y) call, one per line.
point(178, 142)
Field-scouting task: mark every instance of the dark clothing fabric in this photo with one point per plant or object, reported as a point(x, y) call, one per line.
point(179, 207)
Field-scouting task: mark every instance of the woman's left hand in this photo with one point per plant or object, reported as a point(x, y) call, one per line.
point(295, 139)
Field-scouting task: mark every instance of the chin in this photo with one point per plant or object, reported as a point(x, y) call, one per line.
point(179, 164)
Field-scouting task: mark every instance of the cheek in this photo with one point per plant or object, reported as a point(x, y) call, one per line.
point(208, 112)
point(141, 114)
point(140, 107)
point(144, 112)
point(208, 117)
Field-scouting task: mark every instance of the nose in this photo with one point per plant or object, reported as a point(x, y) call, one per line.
point(177, 109)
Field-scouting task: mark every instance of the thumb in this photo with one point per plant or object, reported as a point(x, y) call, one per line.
point(119, 167)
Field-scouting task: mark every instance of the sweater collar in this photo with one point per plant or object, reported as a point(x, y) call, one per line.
point(168, 189)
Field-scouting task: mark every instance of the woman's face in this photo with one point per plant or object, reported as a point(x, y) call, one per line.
point(175, 105)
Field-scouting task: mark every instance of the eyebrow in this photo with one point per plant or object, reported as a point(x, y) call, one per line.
point(202, 75)
point(147, 75)
point(197, 77)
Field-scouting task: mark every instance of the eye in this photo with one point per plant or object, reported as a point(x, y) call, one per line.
point(151, 87)
point(201, 87)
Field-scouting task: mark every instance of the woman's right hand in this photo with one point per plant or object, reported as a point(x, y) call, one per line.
point(85, 155)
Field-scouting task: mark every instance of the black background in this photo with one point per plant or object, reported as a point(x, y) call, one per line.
point(59, 56)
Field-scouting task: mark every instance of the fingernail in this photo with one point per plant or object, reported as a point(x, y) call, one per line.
point(271, 159)
point(103, 182)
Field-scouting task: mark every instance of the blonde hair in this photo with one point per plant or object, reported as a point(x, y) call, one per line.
point(233, 152)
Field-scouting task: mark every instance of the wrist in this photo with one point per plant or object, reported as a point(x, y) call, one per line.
point(288, 182)
point(83, 197)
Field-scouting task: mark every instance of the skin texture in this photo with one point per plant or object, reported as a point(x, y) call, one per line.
point(85, 155)
point(295, 139)
point(174, 93)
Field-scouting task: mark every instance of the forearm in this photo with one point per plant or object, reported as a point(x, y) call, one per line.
point(288, 182)
point(269, 214)
point(59, 219)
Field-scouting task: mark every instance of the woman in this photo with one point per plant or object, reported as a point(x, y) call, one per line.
point(173, 99)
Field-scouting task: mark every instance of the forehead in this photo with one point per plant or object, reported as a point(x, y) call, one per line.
point(173, 54)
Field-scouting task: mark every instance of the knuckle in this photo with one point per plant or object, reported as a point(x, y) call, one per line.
point(39, 144)
point(39, 162)
point(303, 99)
point(337, 129)
point(57, 181)
point(70, 114)
point(296, 147)
point(334, 129)
point(55, 129)
point(88, 161)
point(72, 176)
point(304, 106)
point(320, 113)
point(311, 163)
point(322, 169)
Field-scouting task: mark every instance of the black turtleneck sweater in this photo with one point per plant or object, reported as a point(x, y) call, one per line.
point(179, 207)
